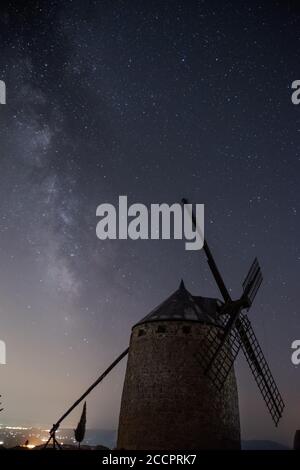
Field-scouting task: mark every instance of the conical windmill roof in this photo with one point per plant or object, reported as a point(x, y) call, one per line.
point(184, 306)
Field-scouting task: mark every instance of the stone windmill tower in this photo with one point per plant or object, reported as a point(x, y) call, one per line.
point(168, 402)
point(180, 390)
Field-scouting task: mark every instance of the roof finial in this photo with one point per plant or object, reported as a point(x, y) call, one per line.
point(182, 286)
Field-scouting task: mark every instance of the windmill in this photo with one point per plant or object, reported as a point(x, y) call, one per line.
point(221, 351)
point(211, 333)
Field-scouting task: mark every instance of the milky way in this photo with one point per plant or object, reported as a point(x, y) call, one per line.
point(156, 101)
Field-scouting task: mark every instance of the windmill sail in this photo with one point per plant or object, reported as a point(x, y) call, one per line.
point(217, 356)
point(225, 346)
point(222, 347)
point(252, 282)
point(259, 368)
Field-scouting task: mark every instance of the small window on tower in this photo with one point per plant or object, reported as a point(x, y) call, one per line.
point(161, 329)
point(141, 332)
point(186, 329)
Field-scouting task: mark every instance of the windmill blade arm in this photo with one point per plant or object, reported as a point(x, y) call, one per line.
point(216, 273)
point(219, 351)
point(222, 363)
point(210, 259)
point(252, 282)
point(259, 368)
point(231, 311)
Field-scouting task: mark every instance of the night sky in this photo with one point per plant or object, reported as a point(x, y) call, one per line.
point(155, 100)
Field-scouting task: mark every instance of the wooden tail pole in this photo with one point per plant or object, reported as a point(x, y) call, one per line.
point(87, 392)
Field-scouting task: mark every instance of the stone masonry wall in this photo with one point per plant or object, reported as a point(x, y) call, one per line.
point(167, 402)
